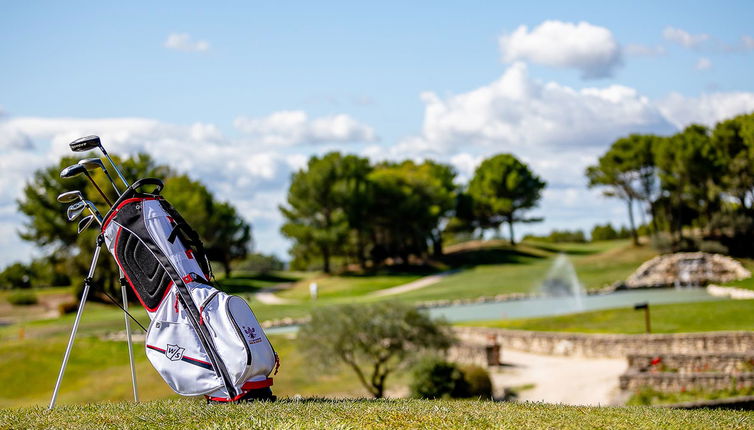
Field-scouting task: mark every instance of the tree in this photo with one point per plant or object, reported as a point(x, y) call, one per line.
point(502, 188)
point(409, 202)
point(627, 170)
point(372, 340)
point(320, 198)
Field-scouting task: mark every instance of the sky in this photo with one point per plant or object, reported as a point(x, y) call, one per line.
point(240, 94)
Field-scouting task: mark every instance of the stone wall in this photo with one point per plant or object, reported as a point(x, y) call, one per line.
point(609, 345)
point(730, 292)
point(675, 382)
point(691, 363)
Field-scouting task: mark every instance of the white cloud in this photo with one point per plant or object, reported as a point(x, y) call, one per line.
point(184, 42)
point(288, 128)
point(588, 48)
point(706, 109)
point(684, 38)
point(703, 64)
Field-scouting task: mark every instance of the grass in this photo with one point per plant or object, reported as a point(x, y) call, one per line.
point(372, 414)
point(668, 318)
point(98, 369)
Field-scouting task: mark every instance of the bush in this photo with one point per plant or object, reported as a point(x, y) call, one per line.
point(22, 298)
point(260, 263)
point(68, 307)
point(17, 275)
point(478, 382)
point(713, 247)
point(604, 232)
point(438, 379)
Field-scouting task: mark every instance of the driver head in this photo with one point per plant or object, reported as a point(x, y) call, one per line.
point(70, 196)
point(85, 144)
point(73, 170)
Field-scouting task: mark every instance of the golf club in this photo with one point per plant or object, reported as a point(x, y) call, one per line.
point(85, 223)
point(75, 210)
point(78, 169)
point(88, 143)
point(96, 163)
point(70, 196)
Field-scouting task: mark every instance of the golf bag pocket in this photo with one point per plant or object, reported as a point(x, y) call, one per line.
point(176, 353)
point(238, 337)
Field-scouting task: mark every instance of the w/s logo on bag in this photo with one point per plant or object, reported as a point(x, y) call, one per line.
point(174, 352)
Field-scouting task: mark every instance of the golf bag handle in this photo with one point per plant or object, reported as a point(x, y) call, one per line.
point(149, 181)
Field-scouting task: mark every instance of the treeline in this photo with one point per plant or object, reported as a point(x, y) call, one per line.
point(599, 232)
point(696, 187)
point(344, 208)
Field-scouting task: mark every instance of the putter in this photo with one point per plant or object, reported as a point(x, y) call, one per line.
point(75, 210)
point(96, 163)
point(88, 143)
point(85, 222)
point(78, 169)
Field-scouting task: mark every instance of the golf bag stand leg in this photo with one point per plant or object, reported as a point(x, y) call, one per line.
point(87, 284)
point(128, 335)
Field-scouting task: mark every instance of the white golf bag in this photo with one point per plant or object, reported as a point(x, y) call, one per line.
point(201, 340)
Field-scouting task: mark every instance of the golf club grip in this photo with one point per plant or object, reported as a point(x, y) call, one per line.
point(149, 181)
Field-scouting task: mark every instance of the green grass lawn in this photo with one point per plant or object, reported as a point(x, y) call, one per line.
point(371, 414)
point(670, 318)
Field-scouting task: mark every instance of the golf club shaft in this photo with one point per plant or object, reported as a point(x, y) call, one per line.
point(128, 336)
point(110, 178)
point(117, 170)
point(87, 284)
point(98, 189)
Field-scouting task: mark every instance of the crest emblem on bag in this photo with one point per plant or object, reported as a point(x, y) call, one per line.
point(174, 352)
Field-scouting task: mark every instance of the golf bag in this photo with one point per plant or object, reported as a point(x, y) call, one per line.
point(201, 340)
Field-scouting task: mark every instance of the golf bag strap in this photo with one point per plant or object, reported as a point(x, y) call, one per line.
point(188, 236)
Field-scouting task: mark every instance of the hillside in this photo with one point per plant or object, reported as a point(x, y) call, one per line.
point(372, 414)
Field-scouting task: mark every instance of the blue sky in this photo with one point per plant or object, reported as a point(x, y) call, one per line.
point(268, 84)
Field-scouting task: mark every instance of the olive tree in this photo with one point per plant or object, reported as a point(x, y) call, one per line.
point(373, 340)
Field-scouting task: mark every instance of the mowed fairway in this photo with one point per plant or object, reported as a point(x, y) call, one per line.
point(669, 318)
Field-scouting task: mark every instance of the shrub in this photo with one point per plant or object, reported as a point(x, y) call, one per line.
point(68, 307)
point(438, 379)
point(22, 298)
point(17, 275)
point(260, 263)
point(478, 382)
point(713, 247)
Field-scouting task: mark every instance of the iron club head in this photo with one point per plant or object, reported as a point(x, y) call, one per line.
point(85, 222)
point(85, 143)
point(70, 196)
point(75, 210)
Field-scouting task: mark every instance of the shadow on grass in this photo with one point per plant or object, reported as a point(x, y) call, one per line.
point(564, 249)
point(252, 282)
point(477, 257)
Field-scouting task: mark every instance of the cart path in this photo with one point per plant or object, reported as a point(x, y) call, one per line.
point(268, 297)
point(411, 286)
point(556, 379)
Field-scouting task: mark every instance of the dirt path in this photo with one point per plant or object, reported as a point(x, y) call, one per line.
point(411, 286)
point(567, 380)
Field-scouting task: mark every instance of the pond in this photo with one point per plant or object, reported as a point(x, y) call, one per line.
point(542, 307)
